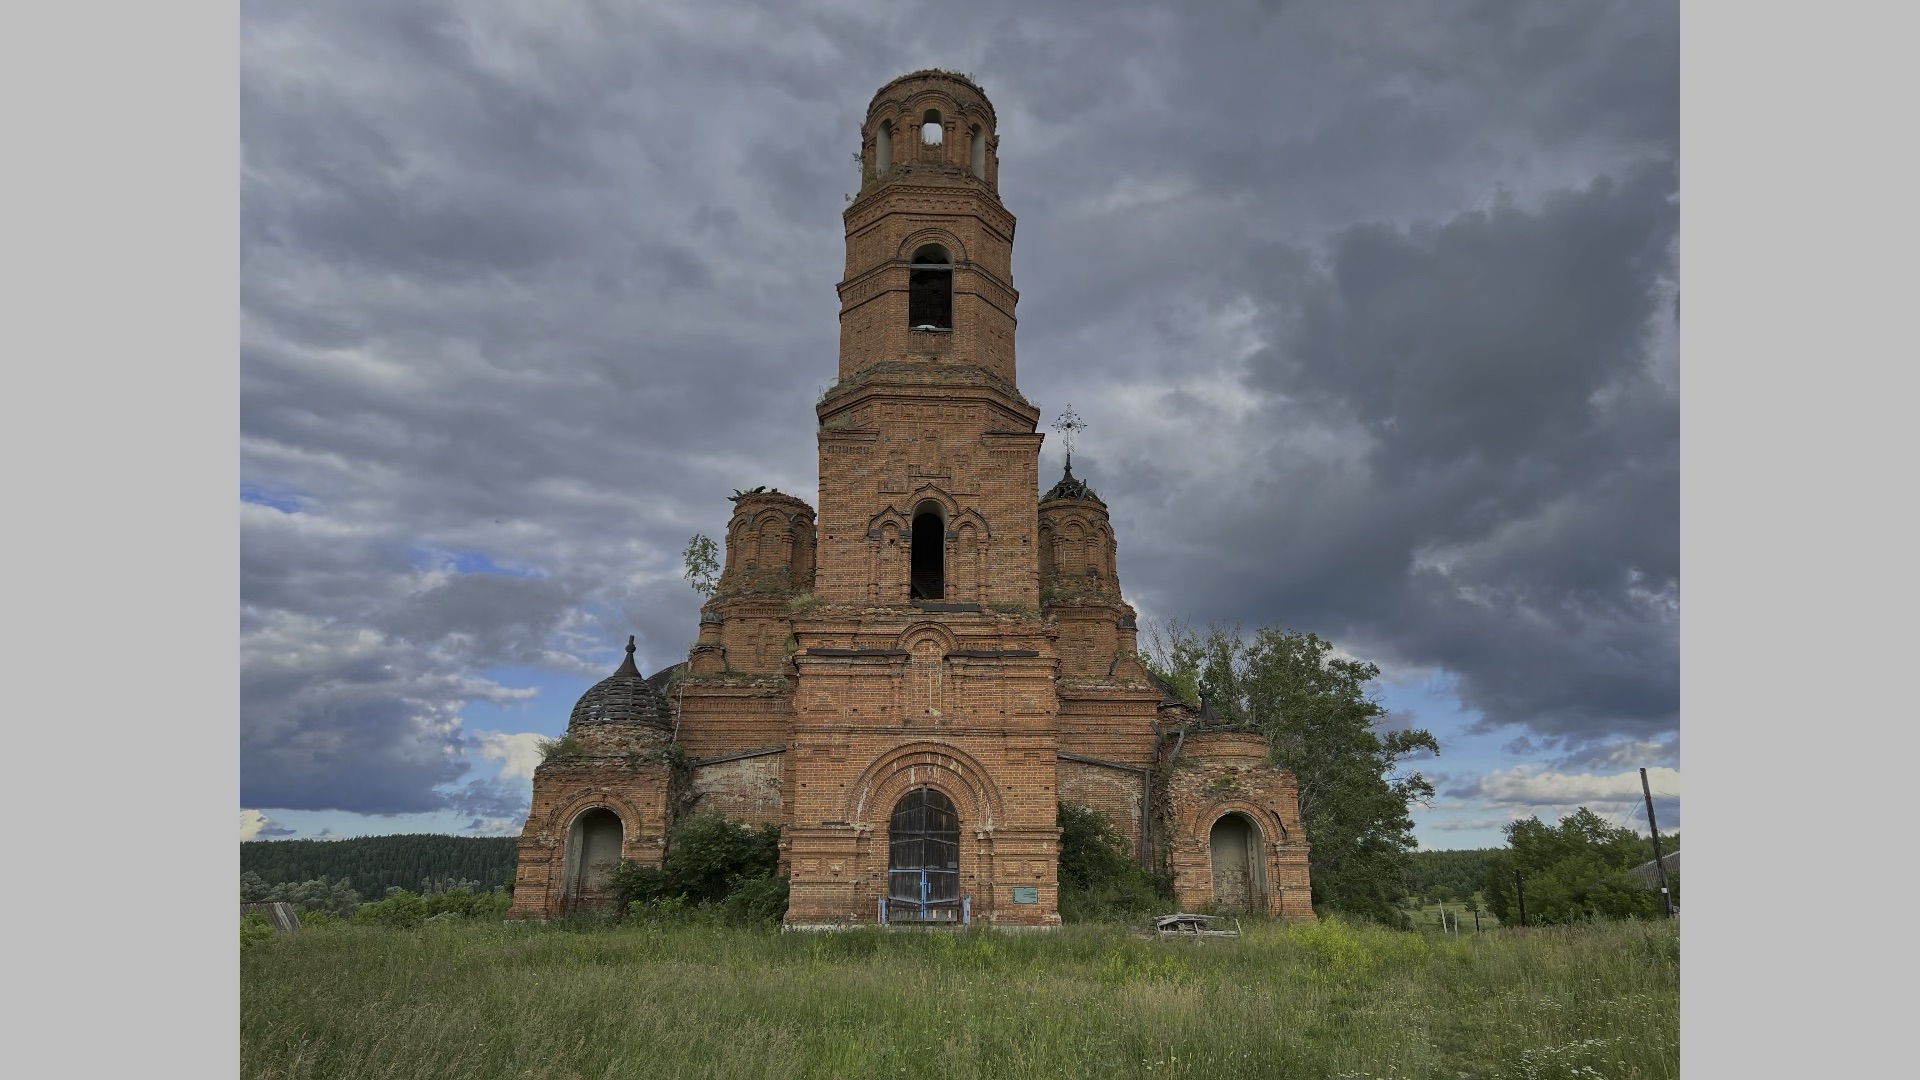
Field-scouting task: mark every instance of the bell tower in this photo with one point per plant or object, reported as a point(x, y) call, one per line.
point(929, 247)
point(929, 455)
point(924, 741)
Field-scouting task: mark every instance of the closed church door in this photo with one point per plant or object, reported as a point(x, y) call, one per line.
point(923, 849)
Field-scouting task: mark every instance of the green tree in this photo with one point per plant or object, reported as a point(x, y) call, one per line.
point(1098, 878)
point(702, 558)
point(1573, 871)
point(1323, 723)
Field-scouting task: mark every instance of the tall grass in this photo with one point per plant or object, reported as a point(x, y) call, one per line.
point(1319, 1000)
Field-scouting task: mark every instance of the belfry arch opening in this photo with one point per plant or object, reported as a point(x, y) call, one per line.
point(883, 147)
point(930, 289)
point(977, 153)
point(1239, 878)
point(927, 560)
point(923, 849)
point(931, 130)
point(593, 854)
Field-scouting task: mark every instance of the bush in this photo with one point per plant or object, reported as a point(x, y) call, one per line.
point(714, 868)
point(1098, 879)
point(564, 748)
point(636, 884)
point(468, 904)
point(255, 931)
point(708, 855)
point(760, 901)
point(400, 909)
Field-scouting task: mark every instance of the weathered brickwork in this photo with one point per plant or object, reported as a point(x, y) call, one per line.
point(1222, 775)
point(935, 626)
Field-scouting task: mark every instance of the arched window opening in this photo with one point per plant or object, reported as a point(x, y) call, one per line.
point(931, 130)
point(923, 850)
point(593, 854)
point(977, 153)
point(883, 147)
point(930, 289)
point(927, 564)
point(1235, 848)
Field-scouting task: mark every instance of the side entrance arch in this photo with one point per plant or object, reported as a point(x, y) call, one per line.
point(1239, 871)
point(593, 854)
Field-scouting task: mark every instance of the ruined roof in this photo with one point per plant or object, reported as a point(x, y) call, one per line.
point(1071, 487)
point(623, 697)
point(662, 679)
point(1167, 694)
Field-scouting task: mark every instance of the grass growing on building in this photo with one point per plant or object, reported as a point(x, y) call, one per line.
point(1329, 999)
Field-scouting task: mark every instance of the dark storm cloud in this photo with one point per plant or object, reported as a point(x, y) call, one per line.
point(1510, 512)
point(526, 292)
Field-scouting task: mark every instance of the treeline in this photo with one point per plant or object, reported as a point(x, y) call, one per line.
point(1459, 873)
point(370, 865)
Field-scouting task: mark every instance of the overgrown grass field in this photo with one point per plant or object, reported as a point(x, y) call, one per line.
point(1320, 1000)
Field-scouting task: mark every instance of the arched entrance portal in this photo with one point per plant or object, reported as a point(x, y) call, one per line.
point(1238, 881)
point(593, 854)
point(923, 852)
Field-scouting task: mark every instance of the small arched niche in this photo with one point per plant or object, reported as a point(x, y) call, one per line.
point(883, 147)
point(1239, 880)
point(930, 289)
point(593, 854)
point(932, 131)
point(927, 562)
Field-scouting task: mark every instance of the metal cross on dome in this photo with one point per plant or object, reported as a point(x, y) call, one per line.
point(1069, 423)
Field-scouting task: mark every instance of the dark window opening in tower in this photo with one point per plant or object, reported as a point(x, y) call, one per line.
point(977, 153)
point(931, 131)
point(930, 289)
point(927, 565)
point(883, 147)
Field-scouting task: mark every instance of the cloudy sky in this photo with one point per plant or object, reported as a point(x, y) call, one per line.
point(1372, 308)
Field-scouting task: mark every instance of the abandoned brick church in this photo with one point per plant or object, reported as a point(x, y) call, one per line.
point(911, 679)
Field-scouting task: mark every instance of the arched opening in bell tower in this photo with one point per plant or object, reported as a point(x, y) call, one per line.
point(883, 147)
point(931, 130)
point(927, 569)
point(930, 289)
point(977, 153)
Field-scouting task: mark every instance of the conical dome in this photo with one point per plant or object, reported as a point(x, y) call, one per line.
point(624, 697)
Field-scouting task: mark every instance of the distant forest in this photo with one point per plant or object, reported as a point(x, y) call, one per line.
point(373, 863)
point(1465, 871)
point(1462, 871)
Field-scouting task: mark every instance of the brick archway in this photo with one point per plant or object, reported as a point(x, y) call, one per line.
point(925, 763)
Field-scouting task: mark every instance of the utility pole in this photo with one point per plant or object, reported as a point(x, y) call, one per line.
point(1520, 890)
point(1660, 864)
